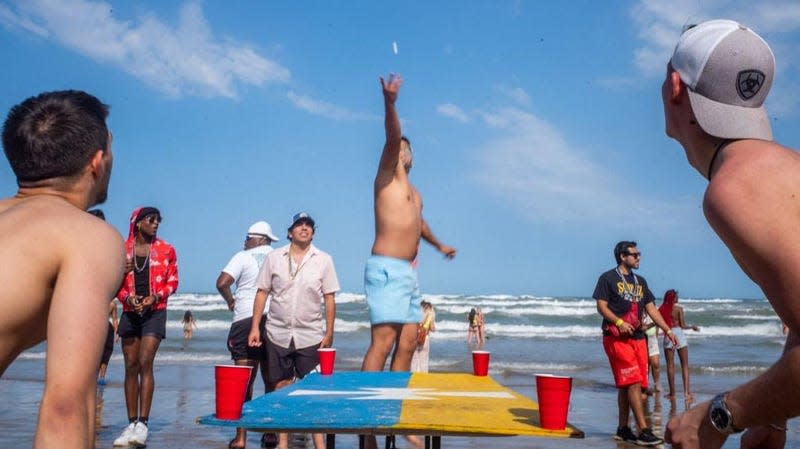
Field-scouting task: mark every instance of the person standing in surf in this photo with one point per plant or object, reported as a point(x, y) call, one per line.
point(674, 317)
point(61, 265)
point(390, 277)
point(622, 300)
point(152, 276)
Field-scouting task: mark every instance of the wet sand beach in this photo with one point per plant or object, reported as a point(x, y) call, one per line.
point(184, 392)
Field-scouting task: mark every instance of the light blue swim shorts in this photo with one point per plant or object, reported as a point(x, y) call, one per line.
point(392, 291)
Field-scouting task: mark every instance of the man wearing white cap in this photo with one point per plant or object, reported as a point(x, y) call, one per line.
point(717, 80)
point(243, 270)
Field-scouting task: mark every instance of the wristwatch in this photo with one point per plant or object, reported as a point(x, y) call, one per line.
point(720, 416)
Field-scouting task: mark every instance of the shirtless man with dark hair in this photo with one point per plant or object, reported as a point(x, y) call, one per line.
point(390, 279)
point(67, 263)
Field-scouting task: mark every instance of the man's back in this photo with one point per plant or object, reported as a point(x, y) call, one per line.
point(49, 250)
point(753, 203)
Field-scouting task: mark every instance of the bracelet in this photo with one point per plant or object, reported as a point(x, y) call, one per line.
point(619, 322)
point(778, 428)
point(669, 332)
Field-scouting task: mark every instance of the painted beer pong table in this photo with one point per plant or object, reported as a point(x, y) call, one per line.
point(393, 403)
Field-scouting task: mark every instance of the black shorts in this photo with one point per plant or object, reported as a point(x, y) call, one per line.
point(108, 348)
point(237, 340)
point(152, 323)
point(288, 363)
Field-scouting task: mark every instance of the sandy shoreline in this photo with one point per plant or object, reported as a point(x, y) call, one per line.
point(184, 392)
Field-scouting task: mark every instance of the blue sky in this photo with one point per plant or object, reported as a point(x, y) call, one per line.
point(537, 128)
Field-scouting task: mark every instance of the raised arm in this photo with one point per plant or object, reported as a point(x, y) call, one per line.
point(391, 150)
point(448, 251)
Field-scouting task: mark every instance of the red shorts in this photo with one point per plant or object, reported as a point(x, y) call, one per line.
point(628, 359)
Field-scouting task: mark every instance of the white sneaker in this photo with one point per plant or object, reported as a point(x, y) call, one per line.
point(125, 436)
point(139, 437)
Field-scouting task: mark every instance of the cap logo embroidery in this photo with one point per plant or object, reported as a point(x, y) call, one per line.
point(749, 82)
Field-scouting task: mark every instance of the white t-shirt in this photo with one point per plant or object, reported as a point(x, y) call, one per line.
point(244, 267)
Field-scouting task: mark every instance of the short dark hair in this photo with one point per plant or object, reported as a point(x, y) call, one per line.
point(98, 213)
point(622, 248)
point(54, 134)
point(408, 142)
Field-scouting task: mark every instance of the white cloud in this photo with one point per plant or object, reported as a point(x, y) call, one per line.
point(183, 60)
point(515, 93)
point(452, 111)
point(324, 109)
point(530, 165)
point(658, 25)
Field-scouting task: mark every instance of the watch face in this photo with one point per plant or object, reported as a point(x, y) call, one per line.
point(719, 418)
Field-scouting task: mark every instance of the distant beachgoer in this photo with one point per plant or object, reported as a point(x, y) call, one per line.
point(622, 299)
point(301, 279)
point(60, 264)
point(653, 352)
point(111, 338)
point(152, 276)
point(113, 322)
point(716, 82)
point(390, 279)
point(419, 361)
point(480, 325)
point(674, 316)
point(472, 326)
point(243, 270)
point(189, 323)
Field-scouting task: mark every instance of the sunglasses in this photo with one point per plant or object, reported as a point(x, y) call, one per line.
point(152, 219)
point(636, 255)
point(254, 236)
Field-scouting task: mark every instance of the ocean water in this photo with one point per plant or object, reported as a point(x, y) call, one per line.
point(525, 334)
point(738, 339)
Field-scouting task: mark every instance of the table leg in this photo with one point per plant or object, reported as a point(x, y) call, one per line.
point(330, 441)
point(437, 442)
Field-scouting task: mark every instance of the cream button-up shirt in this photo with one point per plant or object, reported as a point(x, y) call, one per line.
point(295, 311)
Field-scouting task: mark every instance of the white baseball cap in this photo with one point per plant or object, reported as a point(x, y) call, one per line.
point(262, 228)
point(728, 69)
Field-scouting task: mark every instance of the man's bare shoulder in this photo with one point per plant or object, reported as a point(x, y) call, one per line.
point(56, 223)
point(754, 172)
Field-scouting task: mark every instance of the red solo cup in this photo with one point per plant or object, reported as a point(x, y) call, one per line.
point(231, 389)
point(326, 358)
point(480, 363)
point(553, 394)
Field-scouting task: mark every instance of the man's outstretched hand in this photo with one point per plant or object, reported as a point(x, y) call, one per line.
point(391, 87)
point(448, 251)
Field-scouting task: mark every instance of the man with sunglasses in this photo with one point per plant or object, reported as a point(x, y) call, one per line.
point(152, 276)
point(243, 270)
point(622, 299)
point(60, 265)
point(717, 80)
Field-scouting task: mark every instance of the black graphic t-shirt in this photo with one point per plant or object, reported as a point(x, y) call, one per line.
point(621, 296)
